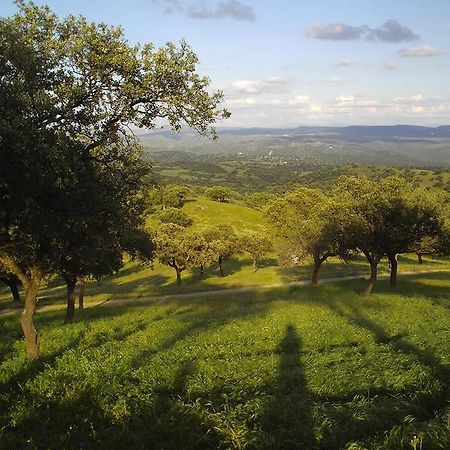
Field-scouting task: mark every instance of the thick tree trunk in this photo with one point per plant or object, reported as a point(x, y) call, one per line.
point(26, 318)
point(420, 258)
point(316, 271)
point(70, 311)
point(178, 277)
point(394, 266)
point(82, 284)
point(220, 261)
point(373, 277)
point(254, 263)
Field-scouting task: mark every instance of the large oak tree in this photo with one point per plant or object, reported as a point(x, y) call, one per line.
point(71, 92)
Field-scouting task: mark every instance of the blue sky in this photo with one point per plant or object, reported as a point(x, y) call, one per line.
point(290, 63)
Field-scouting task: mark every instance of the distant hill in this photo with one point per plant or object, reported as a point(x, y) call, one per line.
point(378, 132)
point(397, 145)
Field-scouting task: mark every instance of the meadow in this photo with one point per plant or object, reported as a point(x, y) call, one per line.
point(308, 367)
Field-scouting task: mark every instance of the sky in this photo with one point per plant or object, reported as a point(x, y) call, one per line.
point(293, 63)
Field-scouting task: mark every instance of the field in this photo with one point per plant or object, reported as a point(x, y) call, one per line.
point(135, 280)
point(310, 367)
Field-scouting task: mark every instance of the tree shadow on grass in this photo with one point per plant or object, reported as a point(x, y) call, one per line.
point(427, 404)
point(156, 422)
point(288, 421)
point(162, 421)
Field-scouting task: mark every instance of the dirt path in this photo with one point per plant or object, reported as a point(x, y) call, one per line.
point(210, 293)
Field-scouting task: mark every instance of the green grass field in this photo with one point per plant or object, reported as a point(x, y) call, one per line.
point(308, 368)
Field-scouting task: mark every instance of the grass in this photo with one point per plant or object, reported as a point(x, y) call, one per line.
point(310, 368)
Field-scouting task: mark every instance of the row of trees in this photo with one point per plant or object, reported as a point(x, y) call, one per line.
point(180, 248)
point(376, 218)
point(72, 195)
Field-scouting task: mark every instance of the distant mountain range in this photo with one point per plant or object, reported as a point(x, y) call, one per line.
point(378, 132)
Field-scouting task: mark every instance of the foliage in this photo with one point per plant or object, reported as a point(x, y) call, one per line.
point(181, 250)
point(176, 216)
point(224, 242)
point(70, 92)
point(257, 245)
point(171, 196)
point(314, 224)
point(219, 194)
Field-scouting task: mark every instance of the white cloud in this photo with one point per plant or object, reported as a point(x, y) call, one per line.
point(300, 99)
point(392, 66)
point(390, 31)
point(417, 98)
point(240, 101)
point(345, 100)
point(275, 84)
point(423, 51)
point(344, 63)
point(337, 80)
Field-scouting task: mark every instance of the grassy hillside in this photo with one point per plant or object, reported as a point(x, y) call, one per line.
point(312, 368)
point(135, 280)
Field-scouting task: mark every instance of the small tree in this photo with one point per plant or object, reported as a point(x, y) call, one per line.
point(176, 216)
point(219, 194)
point(170, 196)
point(257, 245)
point(224, 242)
point(181, 250)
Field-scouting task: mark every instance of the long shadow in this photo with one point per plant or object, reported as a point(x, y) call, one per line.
point(288, 420)
point(428, 402)
point(418, 285)
point(156, 423)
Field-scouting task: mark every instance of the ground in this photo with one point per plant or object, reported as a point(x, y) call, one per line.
point(306, 367)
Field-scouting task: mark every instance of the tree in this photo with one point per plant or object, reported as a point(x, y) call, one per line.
point(397, 216)
point(219, 194)
point(181, 250)
point(257, 245)
point(176, 216)
point(224, 242)
point(10, 280)
point(170, 196)
point(314, 225)
point(70, 91)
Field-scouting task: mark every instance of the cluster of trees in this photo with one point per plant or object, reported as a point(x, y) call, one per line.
point(181, 248)
point(376, 218)
point(72, 195)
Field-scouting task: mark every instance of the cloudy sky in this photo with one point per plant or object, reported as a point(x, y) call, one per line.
point(299, 62)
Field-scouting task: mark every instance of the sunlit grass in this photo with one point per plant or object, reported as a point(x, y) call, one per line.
point(310, 367)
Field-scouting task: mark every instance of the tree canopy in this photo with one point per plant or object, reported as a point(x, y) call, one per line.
point(71, 92)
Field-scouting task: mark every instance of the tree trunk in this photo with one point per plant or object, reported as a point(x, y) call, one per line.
point(220, 266)
point(373, 277)
point(393, 265)
point(178, 277)
point(202, 269)
point(14, 291)
point(82, 283)
point(419, 258)
point(26, 318)
point(316, 271)
point(70, 311)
